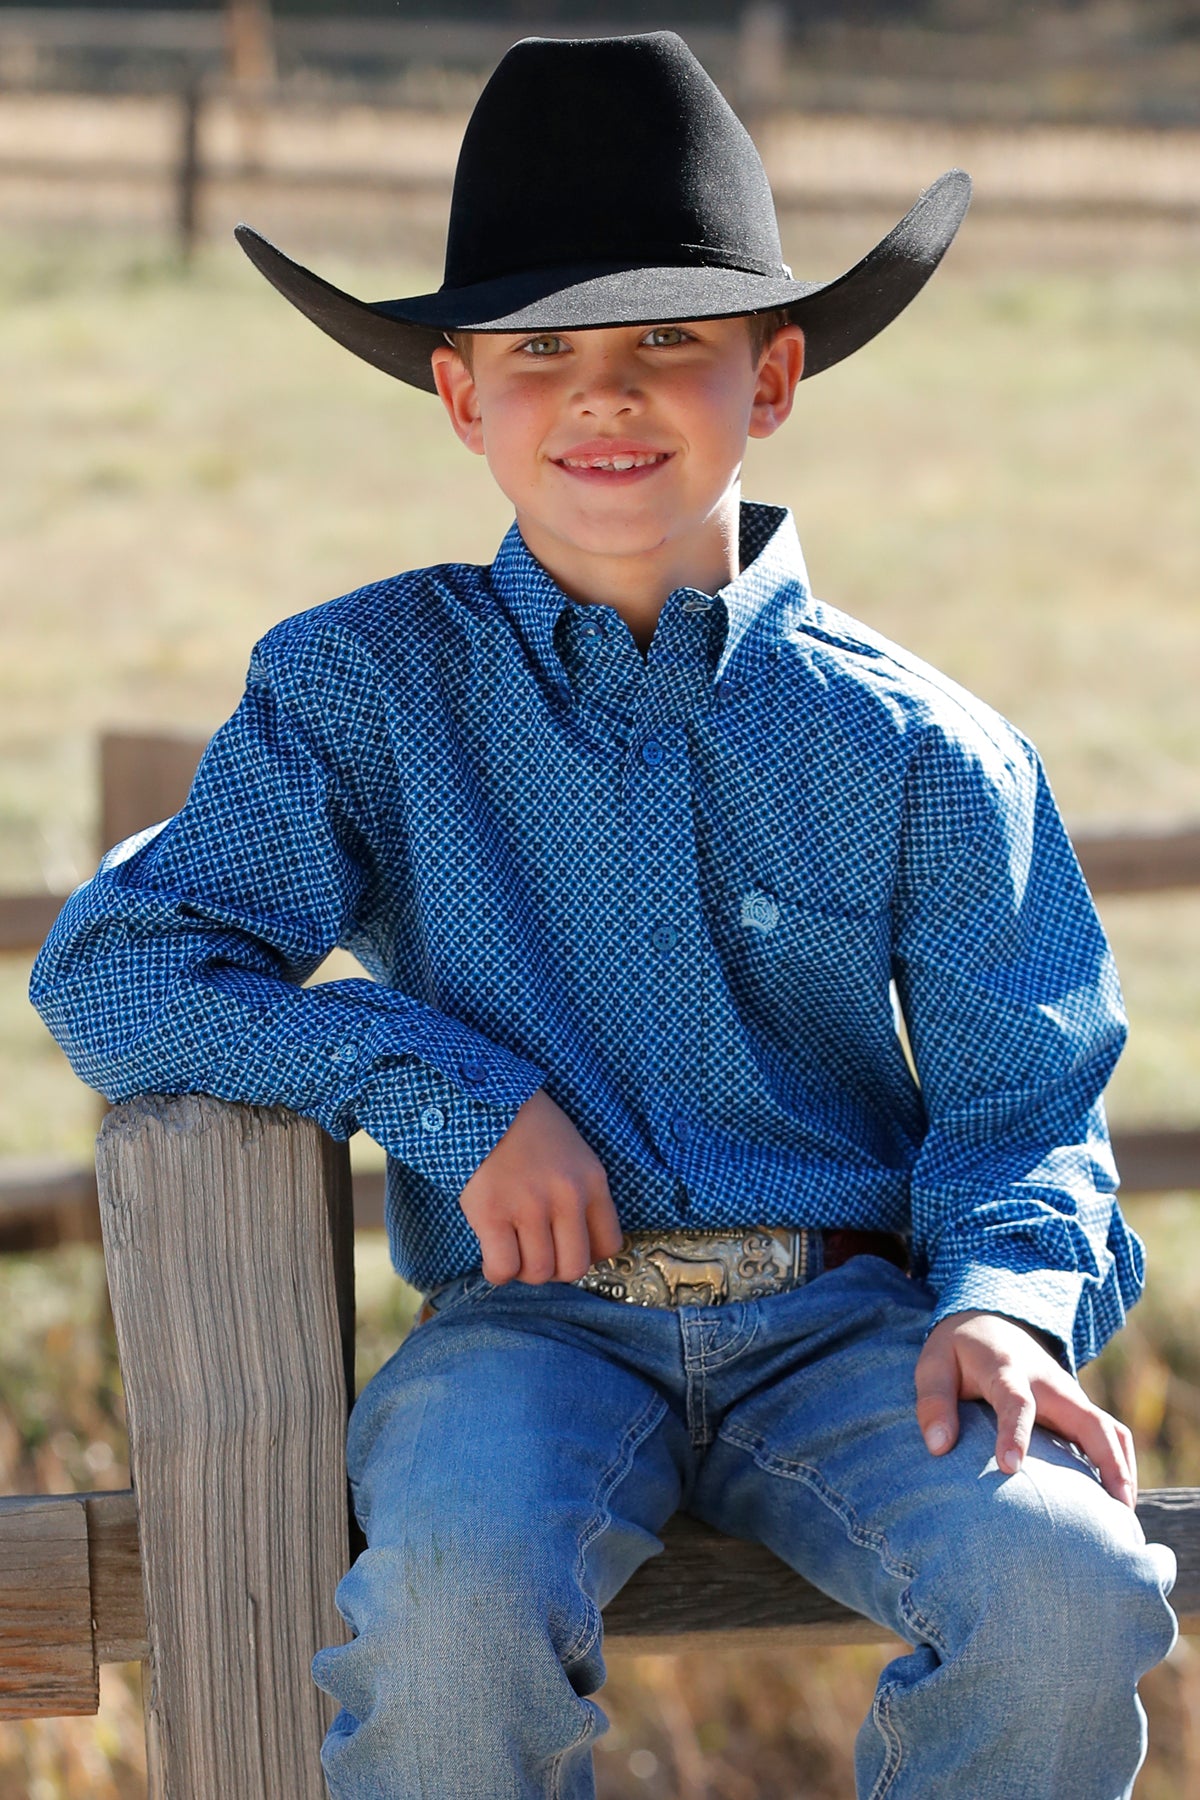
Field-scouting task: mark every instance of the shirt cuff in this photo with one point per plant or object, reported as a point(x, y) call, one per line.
point(436, 1127)
point(440, 1108)
point(1047, 1299)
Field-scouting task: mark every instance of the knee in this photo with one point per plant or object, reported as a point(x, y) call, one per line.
point(1061, 1578)
point(438, 1611)
point(456, 1663)
point(1105, 1594)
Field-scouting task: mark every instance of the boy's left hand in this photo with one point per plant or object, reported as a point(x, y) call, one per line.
point(985, 1356)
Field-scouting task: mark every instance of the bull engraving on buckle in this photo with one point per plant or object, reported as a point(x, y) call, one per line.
point(700, 1268)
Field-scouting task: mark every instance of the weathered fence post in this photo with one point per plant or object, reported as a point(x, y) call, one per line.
point(228, 1242)
point(187, 178)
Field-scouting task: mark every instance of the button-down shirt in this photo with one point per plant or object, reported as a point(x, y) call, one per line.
point(692, 894)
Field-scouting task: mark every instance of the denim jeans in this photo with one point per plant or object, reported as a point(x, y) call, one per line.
point(515, 1460)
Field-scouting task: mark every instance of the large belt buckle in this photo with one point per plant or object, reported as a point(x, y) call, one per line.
point(700, 1268)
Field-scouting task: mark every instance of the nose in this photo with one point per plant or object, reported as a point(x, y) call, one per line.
point(608, 389)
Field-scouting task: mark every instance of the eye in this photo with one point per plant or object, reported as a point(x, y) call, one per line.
point(664, 337)
point(546, 345)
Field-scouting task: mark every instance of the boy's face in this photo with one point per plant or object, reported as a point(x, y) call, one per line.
point(621, 442)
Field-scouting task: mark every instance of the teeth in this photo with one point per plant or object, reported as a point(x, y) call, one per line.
point(613, 462)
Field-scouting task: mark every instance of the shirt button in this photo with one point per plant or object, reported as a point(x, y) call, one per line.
point(652, 752)
point(473, 1069)
point(432, 1118)
point(664, 937)
point(343, 1053)
point(680, 1128)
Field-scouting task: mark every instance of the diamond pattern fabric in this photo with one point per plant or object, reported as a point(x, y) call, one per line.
point(687, 893)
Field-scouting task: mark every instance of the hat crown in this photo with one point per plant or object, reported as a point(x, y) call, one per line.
point(586, 152)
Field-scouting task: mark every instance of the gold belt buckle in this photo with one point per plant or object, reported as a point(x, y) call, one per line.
point(701, 1268)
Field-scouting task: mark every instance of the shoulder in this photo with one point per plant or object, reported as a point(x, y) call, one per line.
point(382, 630)
point(343, 677)
point(368, 661)
point(898, 705)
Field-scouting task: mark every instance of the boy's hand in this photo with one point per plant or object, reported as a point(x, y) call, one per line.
point(539, 1202)
point(985, 1356)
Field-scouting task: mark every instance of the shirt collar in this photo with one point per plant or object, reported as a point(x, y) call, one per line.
point(750, 612)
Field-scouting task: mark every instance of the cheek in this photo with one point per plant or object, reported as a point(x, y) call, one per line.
point(716, 412)
point(514, 426)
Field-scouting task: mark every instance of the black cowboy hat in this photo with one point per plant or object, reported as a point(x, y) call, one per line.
point(606, 181)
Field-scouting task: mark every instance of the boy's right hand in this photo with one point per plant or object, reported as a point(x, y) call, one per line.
point(539, 1202)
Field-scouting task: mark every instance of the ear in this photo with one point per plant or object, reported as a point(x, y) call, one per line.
point(458, 394)
point(779, 369)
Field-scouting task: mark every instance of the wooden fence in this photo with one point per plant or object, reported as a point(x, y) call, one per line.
point(1004, 69)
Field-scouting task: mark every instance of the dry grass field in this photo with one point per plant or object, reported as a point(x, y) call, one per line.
point(1005, 482)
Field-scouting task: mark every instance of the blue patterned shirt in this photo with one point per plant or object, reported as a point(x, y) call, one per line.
point(690, 894)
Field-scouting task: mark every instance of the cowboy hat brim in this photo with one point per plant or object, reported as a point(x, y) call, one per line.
point(837, 317)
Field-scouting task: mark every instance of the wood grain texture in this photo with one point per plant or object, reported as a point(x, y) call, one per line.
point(704, 1591)
point(1172, 1516)
point(711, 1592)
point(115, 1570)
point(47, 1656)
point(226, 1229)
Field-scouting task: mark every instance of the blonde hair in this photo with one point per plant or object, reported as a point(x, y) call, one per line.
point(764, 326)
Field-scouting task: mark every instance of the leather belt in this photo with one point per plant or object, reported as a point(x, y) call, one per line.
point(708, 1268)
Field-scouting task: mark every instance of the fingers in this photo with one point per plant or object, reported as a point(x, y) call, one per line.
point(986, 1356)
point(1012, 1401)
point(604, 1227)
point(572, 1250)
point(1126, 1437)
point(548, 1238)
point(1105, 1441)
point(937, 1394)
point(538, 1257)
point(501, 1251)
point(539, 1201)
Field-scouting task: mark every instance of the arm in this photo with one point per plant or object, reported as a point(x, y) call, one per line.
point(179, 966)
point(1015, 1017)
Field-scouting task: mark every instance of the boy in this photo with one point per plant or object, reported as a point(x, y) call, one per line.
point(634, 835)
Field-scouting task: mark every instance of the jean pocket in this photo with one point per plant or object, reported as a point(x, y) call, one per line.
point(452, 1294)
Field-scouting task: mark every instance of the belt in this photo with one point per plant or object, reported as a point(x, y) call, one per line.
point(708, 1268)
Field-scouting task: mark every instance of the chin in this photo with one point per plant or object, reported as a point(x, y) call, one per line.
point(621, 536)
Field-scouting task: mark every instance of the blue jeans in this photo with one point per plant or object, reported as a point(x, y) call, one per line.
point(515, 1460)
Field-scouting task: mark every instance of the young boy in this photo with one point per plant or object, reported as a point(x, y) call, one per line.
point(642, 845)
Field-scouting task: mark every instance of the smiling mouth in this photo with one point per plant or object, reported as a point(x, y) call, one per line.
point(619, 463)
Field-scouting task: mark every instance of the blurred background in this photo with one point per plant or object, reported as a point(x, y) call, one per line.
point(1005, 482)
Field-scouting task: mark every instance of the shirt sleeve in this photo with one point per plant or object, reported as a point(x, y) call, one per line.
point(179, 967)
point(1014, 1013)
